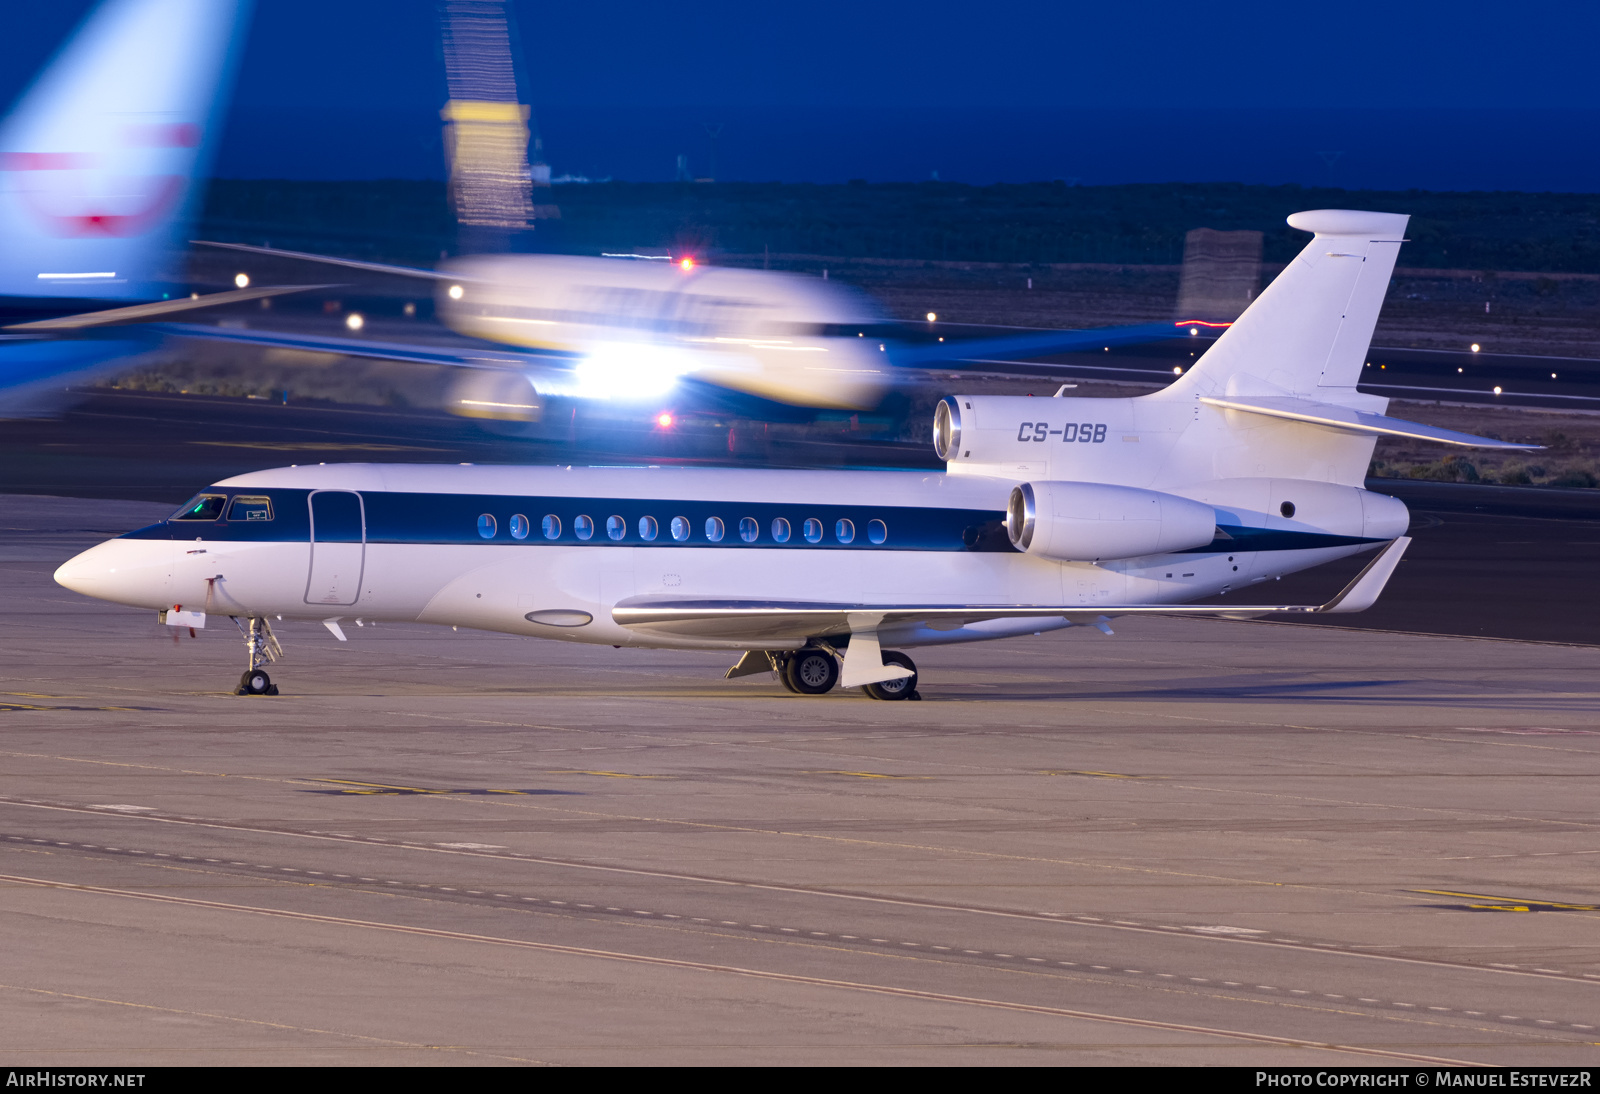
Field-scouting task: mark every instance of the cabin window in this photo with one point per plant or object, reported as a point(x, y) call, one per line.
point(780, 529)
point(203, 507)
point(844, 531)
point(250, 509)
point(487, 526)
point(583, 526)
point(518, 526)
point(812, 530)
point(616, 527)
point(552, 526)
point(680, 528)
point(648, 528)
point(749, 530)
point(877, 531)
point(714, 529)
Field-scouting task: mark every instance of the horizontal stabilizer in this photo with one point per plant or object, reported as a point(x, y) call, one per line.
point(761, 621)
point(137, 313)
point(1348, 420)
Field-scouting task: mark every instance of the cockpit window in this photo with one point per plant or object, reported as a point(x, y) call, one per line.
point(250, 509)
point(202, 507)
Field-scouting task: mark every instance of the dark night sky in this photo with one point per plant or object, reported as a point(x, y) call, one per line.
point(1462, 95)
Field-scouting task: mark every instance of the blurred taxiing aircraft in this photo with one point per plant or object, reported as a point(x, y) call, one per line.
point(97, 172)
point(625, 329)
point(632, 330)
point(97, 169)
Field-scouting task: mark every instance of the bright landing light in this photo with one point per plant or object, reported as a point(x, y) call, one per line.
point(242, 280)
point(354, 321)
point(932, 317)
point(456, 292)
point(664, 420)
point(686, 264)
point(628, 371)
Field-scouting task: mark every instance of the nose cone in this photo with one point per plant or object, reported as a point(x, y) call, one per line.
point(125, 571)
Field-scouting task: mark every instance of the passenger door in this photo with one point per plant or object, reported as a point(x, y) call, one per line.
point(338, 547)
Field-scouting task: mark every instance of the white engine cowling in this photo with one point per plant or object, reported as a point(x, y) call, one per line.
point(1094, 522)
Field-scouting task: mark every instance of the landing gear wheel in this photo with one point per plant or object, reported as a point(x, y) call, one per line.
point(256, 682)
point(261, 647)
point(904, 687)
point(812, 672)
point(783, 673)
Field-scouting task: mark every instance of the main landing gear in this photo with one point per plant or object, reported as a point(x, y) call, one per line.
point(261, 647)
point(811, 672)
point(815, 670)
point(903, 688)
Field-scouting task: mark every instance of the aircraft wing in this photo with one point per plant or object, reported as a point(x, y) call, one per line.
point(758, 621)
point(465, 356)
point(138, 313)
point(1039, 343)
point(348, 263)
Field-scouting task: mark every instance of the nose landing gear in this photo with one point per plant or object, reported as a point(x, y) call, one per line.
point(261, 647)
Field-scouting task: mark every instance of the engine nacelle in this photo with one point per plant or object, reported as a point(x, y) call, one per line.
point(1025, 438)
point(1094, 522)
point(496, 395)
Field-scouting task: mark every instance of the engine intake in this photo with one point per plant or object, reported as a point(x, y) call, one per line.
point(947, 427)
point(1094, 522)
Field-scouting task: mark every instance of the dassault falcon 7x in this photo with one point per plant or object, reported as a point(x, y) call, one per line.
point(1050, 513)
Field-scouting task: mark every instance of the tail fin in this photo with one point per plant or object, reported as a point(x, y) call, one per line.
point(1308, 333)
point(98, 161)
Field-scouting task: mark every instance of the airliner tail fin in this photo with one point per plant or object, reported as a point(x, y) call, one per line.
point(98, 161)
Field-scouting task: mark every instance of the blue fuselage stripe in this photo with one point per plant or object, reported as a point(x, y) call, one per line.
point(418, 518)
point(455, 519)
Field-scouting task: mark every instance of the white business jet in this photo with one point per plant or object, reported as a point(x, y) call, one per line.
point(1050, 513)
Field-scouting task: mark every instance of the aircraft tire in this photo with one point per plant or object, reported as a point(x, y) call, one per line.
point(256, 682)
point(783, 672)
point(812, 672)
point(903, 688)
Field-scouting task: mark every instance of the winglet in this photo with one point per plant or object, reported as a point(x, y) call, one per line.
point(1363, 592)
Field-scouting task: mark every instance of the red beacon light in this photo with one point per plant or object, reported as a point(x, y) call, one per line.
point(664, 420)
point(685, 264)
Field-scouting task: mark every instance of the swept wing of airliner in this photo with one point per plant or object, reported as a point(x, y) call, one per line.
point(97, 168)
point(1050, 513)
